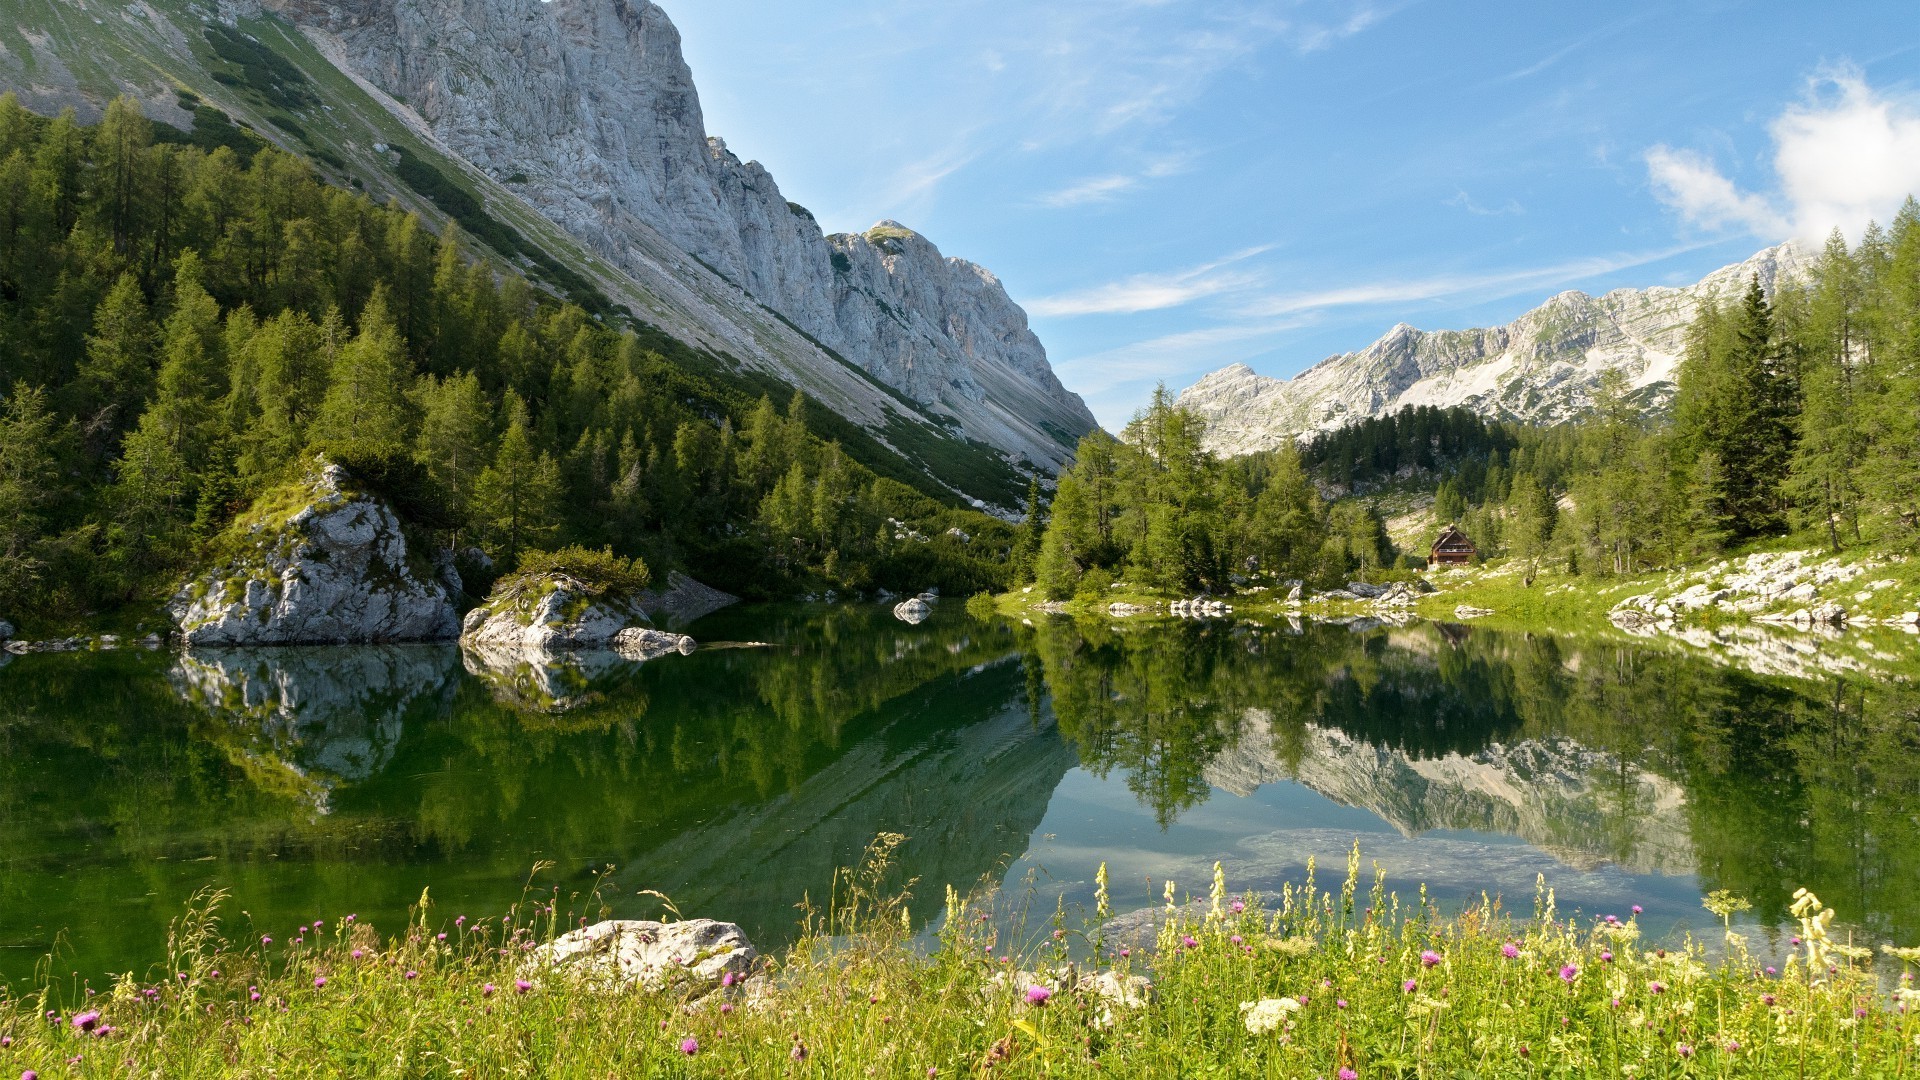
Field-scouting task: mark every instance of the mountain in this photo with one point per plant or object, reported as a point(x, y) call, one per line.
point(1542, 368)
point(568, 137)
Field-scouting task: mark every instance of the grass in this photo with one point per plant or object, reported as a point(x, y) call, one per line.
point(1353, 982)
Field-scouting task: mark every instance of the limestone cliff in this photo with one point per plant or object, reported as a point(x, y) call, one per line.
point(586, 110)
point(1543, 367)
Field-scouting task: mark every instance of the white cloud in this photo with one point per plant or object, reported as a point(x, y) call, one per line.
point(1691, 184)
point(1845, 156)
point(1849, 160)
point(1151, 292)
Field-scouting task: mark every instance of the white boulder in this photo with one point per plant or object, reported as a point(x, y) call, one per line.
point(335, 571)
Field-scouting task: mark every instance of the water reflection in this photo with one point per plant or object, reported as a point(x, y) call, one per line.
point(316, 781)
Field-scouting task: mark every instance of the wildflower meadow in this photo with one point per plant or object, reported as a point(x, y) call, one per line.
point(1350, 982)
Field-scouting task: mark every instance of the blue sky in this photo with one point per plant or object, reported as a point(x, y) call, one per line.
point(1171, 186)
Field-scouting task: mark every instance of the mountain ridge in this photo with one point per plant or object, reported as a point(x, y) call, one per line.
point(1542, 367)
point(577, 125)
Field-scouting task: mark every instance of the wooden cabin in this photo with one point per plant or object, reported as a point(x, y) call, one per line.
point(1451, 549)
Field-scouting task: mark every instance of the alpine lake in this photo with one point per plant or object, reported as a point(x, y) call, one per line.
point(313, 783)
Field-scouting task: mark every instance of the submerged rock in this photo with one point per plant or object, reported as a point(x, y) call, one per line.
point(696, 955)
point(322, 563)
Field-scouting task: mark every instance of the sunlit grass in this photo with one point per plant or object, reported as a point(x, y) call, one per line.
point(1351, 982)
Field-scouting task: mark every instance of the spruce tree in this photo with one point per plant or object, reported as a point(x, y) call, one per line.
point(517, 498)
point(366, 406)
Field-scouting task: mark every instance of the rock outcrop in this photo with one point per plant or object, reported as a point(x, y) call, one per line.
point(588, 112)
point(683, 600)
point(646, 643)
point(323, 562)
point(550, 613)
point(913, 611)
point(1542, 368)
point(692, 956)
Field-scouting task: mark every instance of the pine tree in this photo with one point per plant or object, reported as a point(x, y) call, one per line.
point(117, 374)
point(454, 433)
point(517, 497)
point(29, 479)
point(1824, 482)
point(366, 405)
point(1529, 526)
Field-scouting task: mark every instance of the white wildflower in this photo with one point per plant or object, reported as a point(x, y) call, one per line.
point(1264, 1017)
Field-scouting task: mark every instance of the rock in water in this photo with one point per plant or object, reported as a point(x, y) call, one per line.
point(683, 600)
point(336, 570)
point(912, 611)
point(646, 643)
point(693, 955)
point(547, 613)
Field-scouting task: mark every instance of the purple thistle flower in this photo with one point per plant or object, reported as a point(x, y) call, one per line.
point(1636, 909)
point(356, 954)
point(265, 939)
point(413, 974)
point(1340, 1003)
point(521, 986)
point(799, 1052)
point(1187, 940)
point(1684, 1050)
point(1770, 971)
point(726, 1007)
point(1237, 907)
point(690, 1046)
point(29, 1075)
point(1038, 995)
point(319, 981)
point(439, 937)
point(1606, 958)
point(487, 990)
point(1658, 988)
point(253, 995)
point(1568, 974)
point(1768, 1000)
point(729, 979)
point(5, 1041)
point(1348, 1074)
point(1408, 986)
point(1429, 958)
point(86, 1021)
point(1510, 951)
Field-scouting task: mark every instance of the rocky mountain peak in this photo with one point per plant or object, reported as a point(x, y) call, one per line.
point(1543, 367)
point(587, 111)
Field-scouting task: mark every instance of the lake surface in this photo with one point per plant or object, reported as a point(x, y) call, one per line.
point(317, 782)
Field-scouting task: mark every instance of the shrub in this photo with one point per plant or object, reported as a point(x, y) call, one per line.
point(603, 572)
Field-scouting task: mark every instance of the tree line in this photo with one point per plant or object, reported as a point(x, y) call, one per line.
point(183, 329)
point(1795, 414)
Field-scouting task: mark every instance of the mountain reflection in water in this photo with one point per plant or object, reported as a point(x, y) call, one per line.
point(313, 782)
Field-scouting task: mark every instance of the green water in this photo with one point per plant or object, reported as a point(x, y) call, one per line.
point(318, 782)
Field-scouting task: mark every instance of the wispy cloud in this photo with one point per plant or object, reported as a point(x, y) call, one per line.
point(1466, 202)
point(1844, 156)
point(1152, 292)
point(1102, 189)
point(1481, 286)
point(1097, 189)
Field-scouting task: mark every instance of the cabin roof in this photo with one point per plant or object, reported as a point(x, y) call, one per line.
point(1452, 538)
